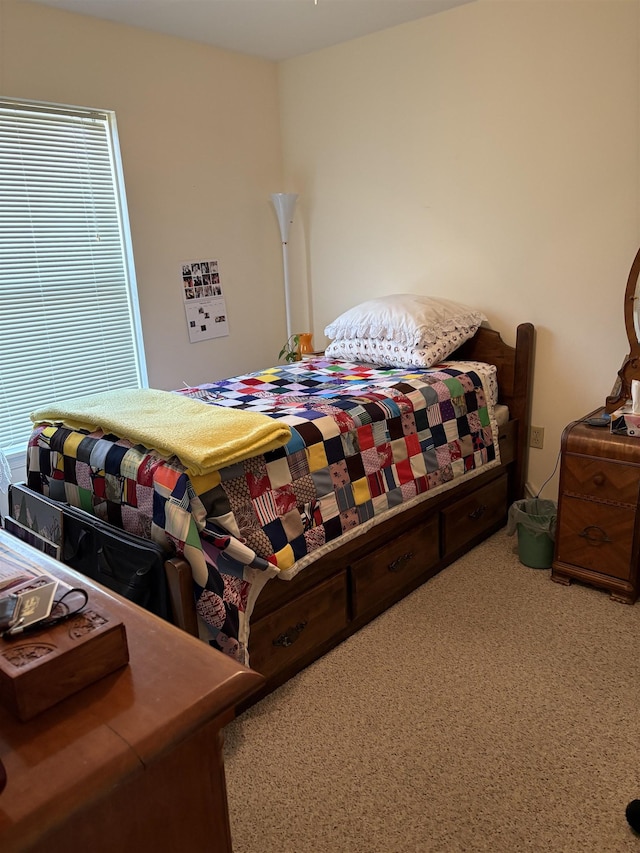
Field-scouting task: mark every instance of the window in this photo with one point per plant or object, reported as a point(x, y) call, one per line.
point(69, 317)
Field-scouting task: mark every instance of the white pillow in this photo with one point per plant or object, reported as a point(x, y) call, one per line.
point(404, 330)
point(409, 319)
point(393, 354)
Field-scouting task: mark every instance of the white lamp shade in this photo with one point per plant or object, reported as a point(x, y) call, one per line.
point(284, 204)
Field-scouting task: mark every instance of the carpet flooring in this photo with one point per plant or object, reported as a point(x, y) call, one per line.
point(490, 710)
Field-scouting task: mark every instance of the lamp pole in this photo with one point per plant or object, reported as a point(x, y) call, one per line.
point(284, 204)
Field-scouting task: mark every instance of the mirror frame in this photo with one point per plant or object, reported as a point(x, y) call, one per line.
point(630, 369)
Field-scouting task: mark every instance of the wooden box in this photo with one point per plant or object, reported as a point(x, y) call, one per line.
point(39, 669)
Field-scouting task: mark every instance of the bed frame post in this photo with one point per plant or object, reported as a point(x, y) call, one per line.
point(522, 394)
point(180, 583)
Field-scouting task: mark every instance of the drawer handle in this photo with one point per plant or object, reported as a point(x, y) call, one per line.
point(598, 479)
point(478, 512)
point(400, 562)
point(594, 535)
point(289, 637)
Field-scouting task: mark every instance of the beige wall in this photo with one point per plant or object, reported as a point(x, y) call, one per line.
point(201, 152)
point(490, 154)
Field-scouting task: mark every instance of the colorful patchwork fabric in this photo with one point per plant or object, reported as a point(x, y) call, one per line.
point(364, 441)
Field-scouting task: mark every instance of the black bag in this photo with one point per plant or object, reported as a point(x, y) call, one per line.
point(127, 564)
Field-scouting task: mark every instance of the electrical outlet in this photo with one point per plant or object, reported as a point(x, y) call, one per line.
point(536, 439)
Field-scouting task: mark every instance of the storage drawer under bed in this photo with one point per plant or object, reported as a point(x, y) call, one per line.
point(474, 515)
point(299, 627)
point(383, 575)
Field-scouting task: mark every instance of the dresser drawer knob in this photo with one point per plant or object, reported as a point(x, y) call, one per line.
point(598, 479)
point(288, 637)
point(594, 535)
point(400, 562)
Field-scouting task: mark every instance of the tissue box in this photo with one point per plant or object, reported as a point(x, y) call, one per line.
point(626, 422)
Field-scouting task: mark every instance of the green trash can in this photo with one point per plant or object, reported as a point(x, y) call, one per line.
point(534, 519)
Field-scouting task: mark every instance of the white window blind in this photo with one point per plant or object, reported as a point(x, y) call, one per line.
point(69, 318)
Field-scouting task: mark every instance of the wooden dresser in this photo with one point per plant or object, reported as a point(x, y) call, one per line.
point(133, 762)
point(598, 531)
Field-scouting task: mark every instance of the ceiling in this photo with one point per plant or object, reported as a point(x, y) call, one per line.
point(270, 29)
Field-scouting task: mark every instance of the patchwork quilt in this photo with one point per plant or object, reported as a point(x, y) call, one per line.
point(365, 442)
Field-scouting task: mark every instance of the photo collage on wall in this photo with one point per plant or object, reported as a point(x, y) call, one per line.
point(204, 302)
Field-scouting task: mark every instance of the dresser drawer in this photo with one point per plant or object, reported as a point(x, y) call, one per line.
point(595, 536)
point(473, 515)
point(600, 479)
point(299, 627)
point(394, 567)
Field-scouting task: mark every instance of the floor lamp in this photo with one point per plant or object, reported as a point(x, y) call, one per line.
point(284, 204)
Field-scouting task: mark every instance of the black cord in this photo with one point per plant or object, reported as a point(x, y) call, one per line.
point(584, 420)
point(64, 616)
point(555, 468)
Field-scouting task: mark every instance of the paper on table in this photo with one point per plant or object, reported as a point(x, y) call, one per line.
point(10, 575)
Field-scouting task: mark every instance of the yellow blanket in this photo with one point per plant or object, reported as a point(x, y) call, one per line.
point(204, 437)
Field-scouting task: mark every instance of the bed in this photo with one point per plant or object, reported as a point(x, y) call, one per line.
point(387, 475)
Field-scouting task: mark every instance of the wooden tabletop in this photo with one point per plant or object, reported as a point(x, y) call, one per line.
point(84, 745)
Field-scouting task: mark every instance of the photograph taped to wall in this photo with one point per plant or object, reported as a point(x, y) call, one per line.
point(204, 302)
